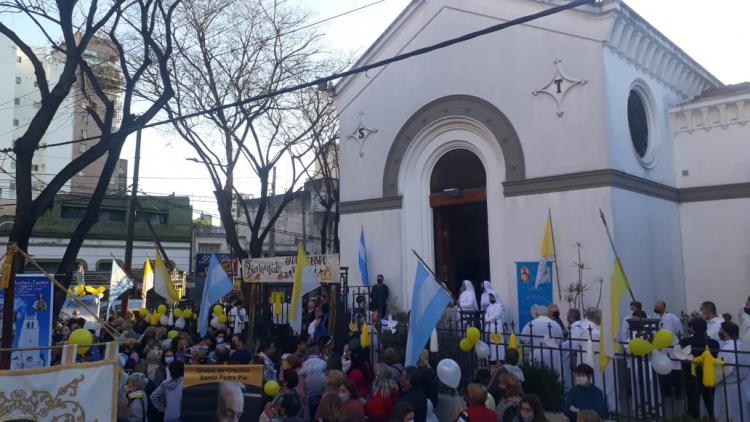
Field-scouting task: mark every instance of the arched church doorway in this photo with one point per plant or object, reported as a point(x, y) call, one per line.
point(458, 198)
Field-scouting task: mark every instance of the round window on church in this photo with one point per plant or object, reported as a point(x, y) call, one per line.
point(638, 123)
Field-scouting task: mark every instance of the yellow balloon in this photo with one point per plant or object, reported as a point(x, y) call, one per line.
point(178, 313)
point(172, 334)
point(143, 311)
point(709, 363)
point(155, 319)
point(222, 319)
point(472, 333)
point(640, 347)
point(271, 388)
point(83, 338)
point(80, 290)
point(218, 310)
point(187, 313)
point(162, 309)
point(465, 345)
point(663, 338)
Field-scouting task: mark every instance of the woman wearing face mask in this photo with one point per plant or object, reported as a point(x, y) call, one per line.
point(167, 398)
point(160, 374)
point(352, 407)
point(531, 410)
point(583, 395)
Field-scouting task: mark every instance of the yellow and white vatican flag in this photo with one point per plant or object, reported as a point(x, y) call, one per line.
point(305, 281)
point(70, 391)
point(613, 293)
point(163, 281)
point(547, 252)
point(148, 279)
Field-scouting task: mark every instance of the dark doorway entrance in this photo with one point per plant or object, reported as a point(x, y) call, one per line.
point(459, 202)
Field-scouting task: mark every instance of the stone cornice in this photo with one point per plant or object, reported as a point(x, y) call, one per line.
point(707, 115)
point(636, 41)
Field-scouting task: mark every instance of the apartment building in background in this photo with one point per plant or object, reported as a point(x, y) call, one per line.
point(20, 101)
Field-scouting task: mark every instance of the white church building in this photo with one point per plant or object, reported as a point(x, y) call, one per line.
point(459, 154)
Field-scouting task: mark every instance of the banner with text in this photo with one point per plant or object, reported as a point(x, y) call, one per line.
point(280, 269)
point(528, 295)
point(70, 392)
point(33, 324)
point(211, 392)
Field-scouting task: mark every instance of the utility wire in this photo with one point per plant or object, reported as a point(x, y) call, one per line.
point(353, 71)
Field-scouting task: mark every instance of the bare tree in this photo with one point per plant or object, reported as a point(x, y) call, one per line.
point(133, 39)
point(325, 178)
point(229, 51)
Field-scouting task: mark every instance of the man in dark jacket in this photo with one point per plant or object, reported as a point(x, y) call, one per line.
point(412, 392)
point(694, 388)
point(584, 395)
point(379, 297)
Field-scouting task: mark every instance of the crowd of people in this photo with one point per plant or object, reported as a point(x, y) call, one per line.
point(321, 380)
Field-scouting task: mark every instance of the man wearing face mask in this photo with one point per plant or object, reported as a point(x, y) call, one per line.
point(732, 376)
point(713, 321)
point(671, 322)
point(584, 395)
point(379, 296)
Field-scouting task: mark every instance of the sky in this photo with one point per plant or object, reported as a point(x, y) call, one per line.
point(713, 32)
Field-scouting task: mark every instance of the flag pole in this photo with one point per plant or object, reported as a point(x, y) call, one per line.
point(432, 273)
point(612, 244)
point(554, 253)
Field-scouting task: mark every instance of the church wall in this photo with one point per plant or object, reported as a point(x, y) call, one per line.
point(658, 165)
point(716, 244)
point(727, 161)
point(575, 216)
point(504, 69)
point(383, 240)
point(646, 231)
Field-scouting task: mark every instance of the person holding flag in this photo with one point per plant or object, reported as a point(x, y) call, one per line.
point(305, 281)
point(429, 300)
point(217, 285)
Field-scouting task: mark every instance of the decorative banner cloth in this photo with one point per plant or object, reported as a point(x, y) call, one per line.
point(33, 325)
point(528, 293)
point(69, 392)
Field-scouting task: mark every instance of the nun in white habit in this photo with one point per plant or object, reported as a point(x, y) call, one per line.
point(487, 289)
point(467, 300)
point(493, 325)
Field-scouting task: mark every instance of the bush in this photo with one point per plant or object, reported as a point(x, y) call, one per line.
point(543, 382)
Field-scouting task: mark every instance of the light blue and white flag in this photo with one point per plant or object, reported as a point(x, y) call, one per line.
point(427, 305)
point(119, 283)
point(217, 285)
point(363, 259)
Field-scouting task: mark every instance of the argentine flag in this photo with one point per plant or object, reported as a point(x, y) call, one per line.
point(217, 285)
point(363, 259)
point(427, 305)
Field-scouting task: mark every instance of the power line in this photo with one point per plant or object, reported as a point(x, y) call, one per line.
point(353, 71)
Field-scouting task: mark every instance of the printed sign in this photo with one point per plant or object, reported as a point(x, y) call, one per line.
point(67, 392)
point(222, 392)
point(281, 269)
point(33, 327)
point(90, 301)
point(202, 260)
point(528, 295)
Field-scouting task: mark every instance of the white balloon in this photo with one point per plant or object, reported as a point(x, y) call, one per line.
point(449, 373)
point(180, 323)
point(482, 349)
point(661, 363)
point(164, 320)
point(215, 322)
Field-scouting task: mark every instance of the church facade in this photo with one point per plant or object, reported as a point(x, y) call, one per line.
point(461, 153)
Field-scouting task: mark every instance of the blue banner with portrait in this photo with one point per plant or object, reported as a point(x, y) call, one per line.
point(33, 327)
point(528, 294)
point(202, 260)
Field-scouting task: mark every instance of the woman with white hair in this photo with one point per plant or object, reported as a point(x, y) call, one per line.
point(137, 398)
